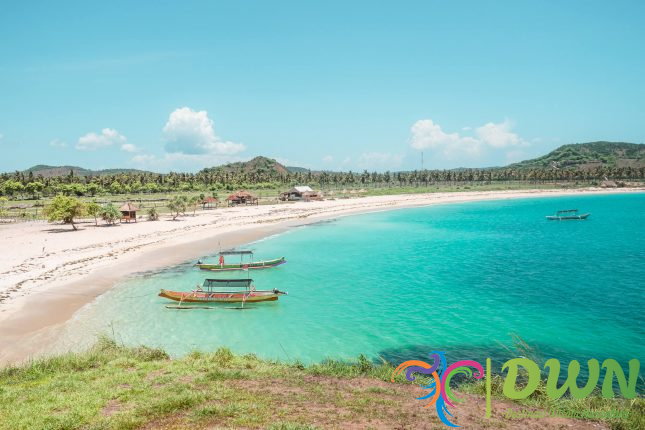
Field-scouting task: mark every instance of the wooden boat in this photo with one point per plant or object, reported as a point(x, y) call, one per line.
point(223, 291)
point(569, 214)
point(242, 265)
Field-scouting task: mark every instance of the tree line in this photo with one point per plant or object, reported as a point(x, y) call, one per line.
point(28, 185)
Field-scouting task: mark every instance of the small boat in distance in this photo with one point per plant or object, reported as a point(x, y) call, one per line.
point(567, 214)
point(223, 291)
point(242, 265)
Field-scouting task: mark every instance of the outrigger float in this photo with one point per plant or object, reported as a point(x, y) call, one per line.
point(242, 265)
point(221, 291)
point(569, 214)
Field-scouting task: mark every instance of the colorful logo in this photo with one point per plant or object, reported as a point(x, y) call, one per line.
point(440, 394)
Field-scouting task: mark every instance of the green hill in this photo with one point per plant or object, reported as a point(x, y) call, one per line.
point(589, 155)
point(259, 165)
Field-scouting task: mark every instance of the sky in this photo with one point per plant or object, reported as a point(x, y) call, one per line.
point(336, 85)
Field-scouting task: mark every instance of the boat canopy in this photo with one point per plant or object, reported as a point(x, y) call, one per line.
point(567, 211)
point(219, 283)
point(236, 252)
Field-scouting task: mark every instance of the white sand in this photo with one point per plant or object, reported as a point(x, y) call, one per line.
point(48, 271)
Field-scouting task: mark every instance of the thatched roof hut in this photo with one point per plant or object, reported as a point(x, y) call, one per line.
point(242, 197)
point(128, 212)
point(300, 193)
point(208, 202)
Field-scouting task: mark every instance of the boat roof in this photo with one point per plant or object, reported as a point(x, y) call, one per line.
point(235, 252)
point(568, 210)
point(245, 281)
point(238, 283)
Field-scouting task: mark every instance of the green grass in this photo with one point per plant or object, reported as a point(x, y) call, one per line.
point(114, 387)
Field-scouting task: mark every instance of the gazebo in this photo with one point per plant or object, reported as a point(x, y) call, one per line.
point(242, 198)
point(208, 202)
point(304, 193)
point(128, 212)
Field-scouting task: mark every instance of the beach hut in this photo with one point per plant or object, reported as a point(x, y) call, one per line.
point(208, 202)
point(304, 193)
point(242, 198)
point(128, 212)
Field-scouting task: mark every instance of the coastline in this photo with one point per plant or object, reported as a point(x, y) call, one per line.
point(53, 272)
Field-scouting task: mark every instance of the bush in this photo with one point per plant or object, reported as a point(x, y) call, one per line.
point(153, 214)
point(110, 214)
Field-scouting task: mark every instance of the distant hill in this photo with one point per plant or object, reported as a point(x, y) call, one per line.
point(260, 165)
point(589, 155)
point(51, 171)
point(294, 169)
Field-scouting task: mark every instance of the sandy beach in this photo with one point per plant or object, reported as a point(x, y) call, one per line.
point(48, 271)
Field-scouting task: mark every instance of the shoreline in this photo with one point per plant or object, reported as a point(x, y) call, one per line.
point(36, 309)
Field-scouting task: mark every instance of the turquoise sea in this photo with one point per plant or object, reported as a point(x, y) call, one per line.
point(402, 283)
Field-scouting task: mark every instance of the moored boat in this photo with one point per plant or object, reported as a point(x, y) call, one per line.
point(223, 291)
point(568, 214)
point(242, 265)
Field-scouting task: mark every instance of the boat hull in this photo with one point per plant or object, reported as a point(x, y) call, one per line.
point(567, 218)
point(204, 297)
point(266, 264)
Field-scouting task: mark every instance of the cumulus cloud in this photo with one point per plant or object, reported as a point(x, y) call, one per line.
point(191, 132)
point(379, 160)
point(426, 134)
point(498, 135)
point(128, 147)
point(328, 159)
point(94, 141)
point(57, 143)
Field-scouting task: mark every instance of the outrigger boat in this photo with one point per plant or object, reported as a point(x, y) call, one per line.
point(223, 291)
point(242, 265)
point(567, 215)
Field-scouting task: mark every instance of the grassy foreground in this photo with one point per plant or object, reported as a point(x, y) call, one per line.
point(115, 387)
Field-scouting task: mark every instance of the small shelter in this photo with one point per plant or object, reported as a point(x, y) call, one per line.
point(242, 198)
point(208, 202)
point(128, 212)
point(304, 193)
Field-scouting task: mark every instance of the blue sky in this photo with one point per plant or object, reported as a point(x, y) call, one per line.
point(321, 84)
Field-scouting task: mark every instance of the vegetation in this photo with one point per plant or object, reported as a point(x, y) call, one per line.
point(65, 209)
point(153, 214)
point(589, 155)
point(110, 214)
point(93, 209)
point(177, 206)
point(588, 163)
point(111, 386)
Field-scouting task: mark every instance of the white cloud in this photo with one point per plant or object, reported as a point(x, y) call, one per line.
point(93, 141)
point(128, 147)
point(191, 132)
point(57, 143)
point(379, 160)
point(498, 135)
point(328, 159)
point(426, 134)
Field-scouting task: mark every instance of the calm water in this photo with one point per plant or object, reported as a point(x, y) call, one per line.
point(400, 284)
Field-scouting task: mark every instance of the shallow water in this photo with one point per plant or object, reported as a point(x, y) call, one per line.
point(399, 284)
